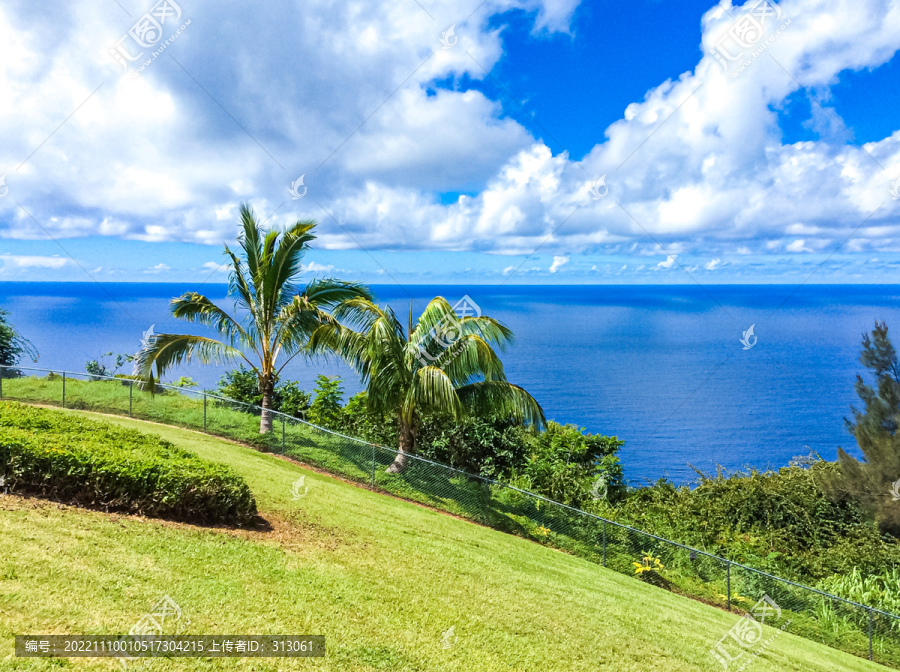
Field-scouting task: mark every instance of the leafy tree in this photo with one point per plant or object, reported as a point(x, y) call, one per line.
point(325, 410)
point(99, 369)
point(564, 464)
point(12, 346)
point(293, 400)
point(490, 446)
point(875, 481)
point(278, 316)
point(441, 364)
point(185, 382)
point(242, 385)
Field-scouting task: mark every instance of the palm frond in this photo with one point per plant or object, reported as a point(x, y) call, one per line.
point(195, 307)
point(433, 389)
point(469, 358)
point(237, 283)
point(250, 242)
point(169, 350)
point(499, 398)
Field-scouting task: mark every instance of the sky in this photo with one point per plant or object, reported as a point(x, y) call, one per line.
point(515, 141)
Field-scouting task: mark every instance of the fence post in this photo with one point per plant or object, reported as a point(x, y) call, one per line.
point(604, 543)
point(64, 390)
point(728, 579)
point(1, 383)
point(282, 435)
point(870, 634)
point(373, 465)
point(131, 399)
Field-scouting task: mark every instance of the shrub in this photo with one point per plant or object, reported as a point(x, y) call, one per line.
point(97, 464)
point(243, 385)
point(564, 464)
point(780, 521)
point(325, 409)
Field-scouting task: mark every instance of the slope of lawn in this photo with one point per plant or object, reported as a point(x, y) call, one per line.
point(380, 578)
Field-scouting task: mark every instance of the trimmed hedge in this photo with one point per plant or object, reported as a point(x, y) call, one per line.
point(97, 464)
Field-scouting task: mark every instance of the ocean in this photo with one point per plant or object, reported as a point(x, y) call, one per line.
point(661, 367)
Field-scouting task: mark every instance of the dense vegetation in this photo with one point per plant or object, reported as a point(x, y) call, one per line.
point(96, 464)
point(443, 364)
point(274, 316)
point(12, 347)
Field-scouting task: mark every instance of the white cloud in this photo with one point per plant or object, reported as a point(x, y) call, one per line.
point(558, 263)
point(713, 264)
point(30, 261)
point(313, 267)
point(212, 266)
point(153, 159)
point(798, 246)
point(669, 262)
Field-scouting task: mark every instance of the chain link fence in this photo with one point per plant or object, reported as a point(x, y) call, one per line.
point(855, 628)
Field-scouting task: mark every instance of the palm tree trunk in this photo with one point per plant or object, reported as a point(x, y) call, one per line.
point(407, 446)
point(265, 420)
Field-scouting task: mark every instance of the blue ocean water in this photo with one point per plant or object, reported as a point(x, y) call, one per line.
point(661, 367)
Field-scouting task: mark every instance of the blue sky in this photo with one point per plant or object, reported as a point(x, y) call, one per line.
point(714, 175)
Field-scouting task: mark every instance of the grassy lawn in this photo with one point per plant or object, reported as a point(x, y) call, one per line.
point(382, 579)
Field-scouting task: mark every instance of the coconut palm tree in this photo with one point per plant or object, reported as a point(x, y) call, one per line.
point(278, 316)
point(442, 364)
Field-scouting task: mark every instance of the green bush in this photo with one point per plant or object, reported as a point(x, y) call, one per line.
point(243, 385)
point(97, 464)
point(779, 521)
point(564, 464)
point(325, 410)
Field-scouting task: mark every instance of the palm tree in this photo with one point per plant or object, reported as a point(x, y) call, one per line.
point(278, 319)
point(442, 364)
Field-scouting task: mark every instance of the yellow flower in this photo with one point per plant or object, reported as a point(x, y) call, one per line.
point(543, 530)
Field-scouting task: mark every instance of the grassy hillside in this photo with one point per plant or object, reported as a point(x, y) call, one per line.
point(380, 578)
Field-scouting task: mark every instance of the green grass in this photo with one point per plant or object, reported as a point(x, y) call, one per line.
point(379, 577)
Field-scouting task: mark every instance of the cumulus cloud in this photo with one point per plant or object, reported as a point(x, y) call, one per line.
point(698, 164)
point(713, 264)
point(32, 261)
point(558, 263)
point(669, 262)
point(313, 267)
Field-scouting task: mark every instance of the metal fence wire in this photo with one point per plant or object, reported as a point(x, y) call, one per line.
point(840, 623)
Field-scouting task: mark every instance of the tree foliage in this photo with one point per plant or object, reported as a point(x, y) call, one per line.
point(441, 364)
point(242, 385)
point(12, 347)
point(874, 482)
point(276, 315)
point(325, 409)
